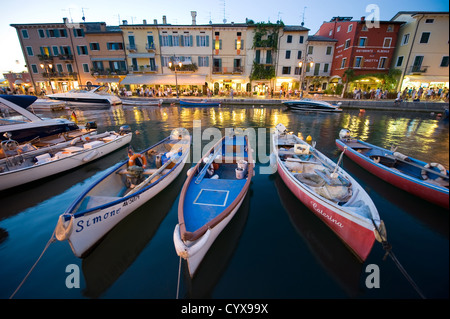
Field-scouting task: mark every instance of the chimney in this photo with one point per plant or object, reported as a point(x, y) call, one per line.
point(144, 21)
point(124, 22)
point(164, 20)
point(193, 14)
point(363, 18)
point(155, 21)
point(65, 20)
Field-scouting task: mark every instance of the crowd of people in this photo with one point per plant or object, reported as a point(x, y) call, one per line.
point(408, 94)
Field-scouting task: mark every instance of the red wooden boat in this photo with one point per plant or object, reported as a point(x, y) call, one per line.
point(329, 192)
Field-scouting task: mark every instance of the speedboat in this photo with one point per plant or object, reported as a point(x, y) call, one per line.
point(87, 94)
point(312, 105)
point(21, 125)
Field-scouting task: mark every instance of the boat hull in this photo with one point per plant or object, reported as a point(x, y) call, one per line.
point(32, 173)
point(426, 191)
point(311, 106)
point(89, 228)
point(194, 252)
point(359, 237)
point(198, 104)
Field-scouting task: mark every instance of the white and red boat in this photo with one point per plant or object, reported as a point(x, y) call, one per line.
point(329, 192)
point(429, 181)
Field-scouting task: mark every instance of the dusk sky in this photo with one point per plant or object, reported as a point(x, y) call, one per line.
point(291, 12)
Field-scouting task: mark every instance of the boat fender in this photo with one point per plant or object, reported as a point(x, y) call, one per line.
point(142, 158)
point(400, 156)
point(185, 251)
point(215, 176)
point(440, 167)
point(189, 172)
point(62, 231)
point(90, 156)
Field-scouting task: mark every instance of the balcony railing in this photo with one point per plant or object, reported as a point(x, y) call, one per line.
point(96, 72)
point(143, 69)
point(65, 75)
point(65, 57)
point(132, 47)
point(418, 69)
point(150, 47)
point(45, 57)
point(228, 70)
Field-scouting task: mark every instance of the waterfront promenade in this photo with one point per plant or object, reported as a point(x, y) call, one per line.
point(384, 104)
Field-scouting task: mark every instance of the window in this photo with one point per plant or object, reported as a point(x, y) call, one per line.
point(94, 46)
point(288, 54)
point(316, 68)
point(41, 33)
point(429, 20)
point(382, 63)
point(338, 28)
point(405, 39)
point(297, 70)
point(202, 40)
point(387, 42)
point(399, 61)
point(24, 33)
point(85, 67)
point(344, 61)
point(166, 40)
point(289, 39)
point(113, 46)
point(69, 68)
point(175, 40)
point(55, 50)
point(425, 37)
point(350, 28)
point(330, 33)
point(34, 68)
point(59, 68)
point(187, 40)
point(65, 50)
point(286, 70)
point(444, 61)
point(358, 61)
point(347, 43)
point(30, 51)
point(329, 50)
point(299, 55)
point(82, 50)
point(98, 65)
point(301, 39)
point(78, 33)
point(310, 49)
point(362, 42)
point(325, 67)
point(390, 28)
point(238, 45)
point(203, 61)
point(364, 28)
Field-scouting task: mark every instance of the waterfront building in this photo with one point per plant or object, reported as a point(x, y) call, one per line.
point(19, 82)
point(363, 51)
point(422, 52)
point(107, 54)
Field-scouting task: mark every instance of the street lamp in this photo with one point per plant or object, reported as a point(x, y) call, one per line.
point(302, 74)
point(175, 69)
point(48, 68)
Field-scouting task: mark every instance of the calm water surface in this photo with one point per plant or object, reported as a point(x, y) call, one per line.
point(273, 248)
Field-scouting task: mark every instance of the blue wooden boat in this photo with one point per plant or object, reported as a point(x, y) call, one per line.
point(212, 194)
point(198, 103)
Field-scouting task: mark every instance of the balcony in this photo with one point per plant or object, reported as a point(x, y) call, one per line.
point(418, 69)
point(60, 75)
point(150, 47)
point(227, 70)
point(96, 72)
point(45, 57)
point(132, 47)
point(143, 69)
point(67, 57)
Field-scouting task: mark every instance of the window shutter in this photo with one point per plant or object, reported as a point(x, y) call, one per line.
point(207, 40)
point(197, 40)
point(192, 42)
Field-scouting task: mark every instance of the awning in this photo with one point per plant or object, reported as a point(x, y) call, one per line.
point(159, 79)
point(141, 55)
point(108, 59)
point(427, 78)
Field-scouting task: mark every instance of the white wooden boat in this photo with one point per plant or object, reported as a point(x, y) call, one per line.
point(211, 196)
point(138, 102)
point(27, 165)
point(328, 191)
point(121, 190)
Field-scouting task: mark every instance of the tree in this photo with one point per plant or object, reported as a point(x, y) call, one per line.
point(349, 74)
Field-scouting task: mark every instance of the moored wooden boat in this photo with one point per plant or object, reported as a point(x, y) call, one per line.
point(429, 181)
point(211, 196)
point(198, 103)
point(328, 191)
point(121, 190)
point(26, 163)
point(144, 102)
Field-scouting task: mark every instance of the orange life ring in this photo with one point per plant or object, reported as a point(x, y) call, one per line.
point(141, 157)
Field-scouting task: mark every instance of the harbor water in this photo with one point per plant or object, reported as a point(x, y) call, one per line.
point(273, 248)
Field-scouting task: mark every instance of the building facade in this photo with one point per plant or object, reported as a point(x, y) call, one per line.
point(422, 52)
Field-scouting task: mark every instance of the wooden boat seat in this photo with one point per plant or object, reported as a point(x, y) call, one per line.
point(356, 145)
point(95, 201)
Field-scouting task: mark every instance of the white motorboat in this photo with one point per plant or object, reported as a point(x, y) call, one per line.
point(22, 125)
point(24, 167)
point(312, 105)
point(88, 95)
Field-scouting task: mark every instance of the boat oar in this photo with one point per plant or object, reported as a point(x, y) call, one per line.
point(205, 168)
point(334, 174)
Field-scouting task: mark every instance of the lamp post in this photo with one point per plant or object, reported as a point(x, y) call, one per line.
point(175, 69)
point(48, 68)
point(302, 73)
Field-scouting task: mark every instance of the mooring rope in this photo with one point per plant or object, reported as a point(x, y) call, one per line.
point(179, 275)
point(51, 240)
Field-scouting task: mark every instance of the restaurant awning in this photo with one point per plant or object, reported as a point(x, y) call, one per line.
point(427, 78)
point(141, 55)
point(160, 79)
